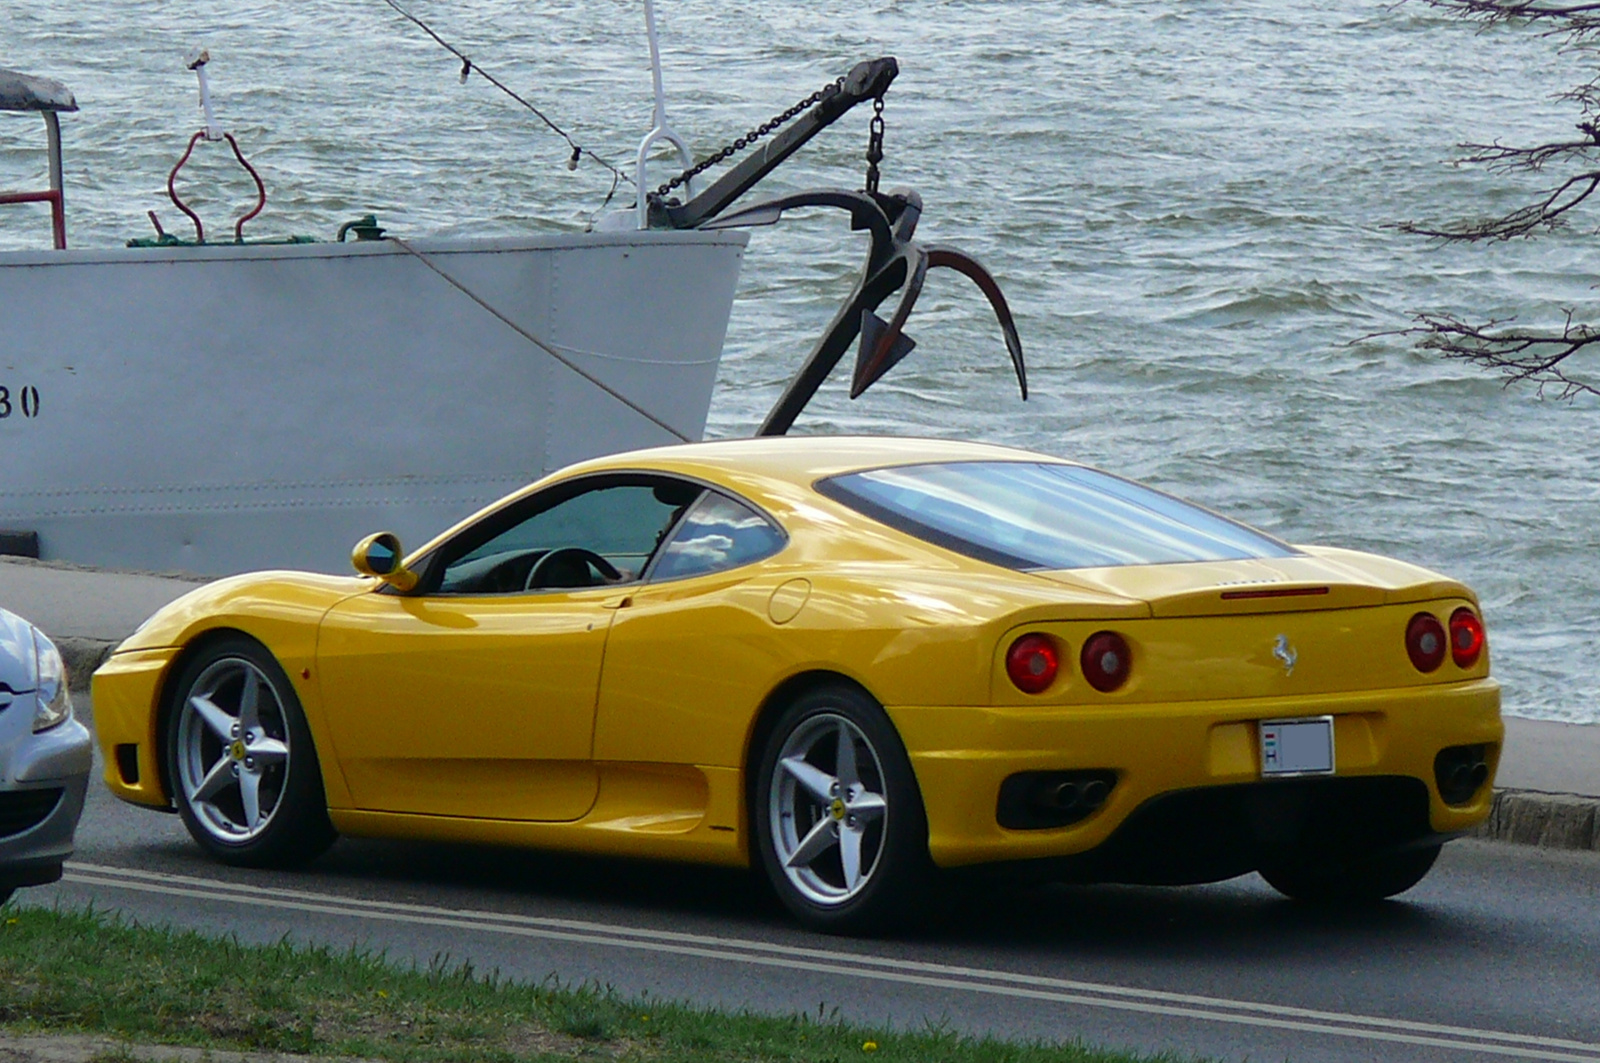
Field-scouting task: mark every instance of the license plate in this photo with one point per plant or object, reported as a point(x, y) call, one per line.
point(1297, 747)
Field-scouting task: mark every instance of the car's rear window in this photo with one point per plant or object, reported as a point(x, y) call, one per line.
point(1043, 515)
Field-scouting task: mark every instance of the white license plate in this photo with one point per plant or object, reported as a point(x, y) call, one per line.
point(1297, 747)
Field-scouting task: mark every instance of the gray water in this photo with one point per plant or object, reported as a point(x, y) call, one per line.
point(1184, 199)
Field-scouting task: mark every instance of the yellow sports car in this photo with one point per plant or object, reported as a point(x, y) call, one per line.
point(858, 663)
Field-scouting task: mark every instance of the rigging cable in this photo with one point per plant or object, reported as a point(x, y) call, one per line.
point(468, 67)
point(548, 348)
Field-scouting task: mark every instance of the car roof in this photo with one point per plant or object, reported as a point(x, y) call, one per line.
point(771, 471)
point(801, 460)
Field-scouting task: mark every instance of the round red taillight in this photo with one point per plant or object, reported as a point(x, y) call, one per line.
point(1106, 661)
point(1466, 637)
point(1032, 662)
point(1425, 642)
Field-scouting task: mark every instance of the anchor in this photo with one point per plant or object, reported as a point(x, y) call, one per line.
point(895, 262)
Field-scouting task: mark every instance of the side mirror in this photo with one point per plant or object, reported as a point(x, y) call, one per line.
point(379, 555)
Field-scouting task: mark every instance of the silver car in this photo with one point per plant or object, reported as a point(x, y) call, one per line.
point(44, 758)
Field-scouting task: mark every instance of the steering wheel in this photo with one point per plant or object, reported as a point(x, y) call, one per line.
point(568, 567)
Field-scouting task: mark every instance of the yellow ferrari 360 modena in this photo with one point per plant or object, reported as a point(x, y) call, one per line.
point(860, 664)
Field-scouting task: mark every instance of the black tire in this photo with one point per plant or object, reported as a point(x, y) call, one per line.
point(216, 776)
point(896, 885)
point(1354, 880)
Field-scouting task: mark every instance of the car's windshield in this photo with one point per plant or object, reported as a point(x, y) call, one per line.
point(1045, 515)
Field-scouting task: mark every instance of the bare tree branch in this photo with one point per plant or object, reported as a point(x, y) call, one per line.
point(1543, 214)
point(1525, 355)
point(1548, 211)
point(1587, 97)
point(1519, 355)
point(1575, 19)
point(1504, 158)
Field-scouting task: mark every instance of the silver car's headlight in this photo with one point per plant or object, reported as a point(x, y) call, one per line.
point(52, 702)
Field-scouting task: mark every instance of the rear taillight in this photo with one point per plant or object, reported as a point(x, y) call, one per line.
point(1425, 642)
point(1466, 637)
point(1032, 662)
point(1106, 661)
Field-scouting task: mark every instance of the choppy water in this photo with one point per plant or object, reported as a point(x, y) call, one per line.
point(1183, 198)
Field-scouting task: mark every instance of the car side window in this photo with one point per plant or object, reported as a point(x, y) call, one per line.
point(606, 534)
point(718, 533)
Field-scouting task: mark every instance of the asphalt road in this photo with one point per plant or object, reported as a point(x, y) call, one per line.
point(1496, 954)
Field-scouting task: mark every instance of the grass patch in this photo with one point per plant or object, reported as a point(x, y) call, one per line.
point(85, 972)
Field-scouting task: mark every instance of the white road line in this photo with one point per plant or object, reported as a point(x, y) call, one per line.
point(852, 965)
point(494, 919)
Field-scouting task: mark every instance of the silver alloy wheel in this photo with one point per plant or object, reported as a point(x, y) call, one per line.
point(232, 750)
point(828, 810)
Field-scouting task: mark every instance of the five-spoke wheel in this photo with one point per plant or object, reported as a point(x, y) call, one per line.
point(838, 818)
point(240, 759)
point(826, 809)
point(232, 749)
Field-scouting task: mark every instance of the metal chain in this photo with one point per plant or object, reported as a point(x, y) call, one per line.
point(831, 89)
point(874, 144)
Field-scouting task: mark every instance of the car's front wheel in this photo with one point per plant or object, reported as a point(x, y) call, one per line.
point(241, 762)
point(1352, 880)
point(839, 819)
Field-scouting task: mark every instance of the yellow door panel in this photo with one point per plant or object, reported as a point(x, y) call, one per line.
point(467, 706)
point(686, 667)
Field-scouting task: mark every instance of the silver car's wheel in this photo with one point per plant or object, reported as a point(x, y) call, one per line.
point(232, 750)
point(837, 817)
point(828, 809)
point(240, 760)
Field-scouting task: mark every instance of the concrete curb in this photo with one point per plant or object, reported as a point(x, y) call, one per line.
point(1550, 821)
point(97, 570)
point(82, 657)
point(81, 1048)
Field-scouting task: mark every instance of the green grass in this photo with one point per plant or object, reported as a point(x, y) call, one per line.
point(84, 972)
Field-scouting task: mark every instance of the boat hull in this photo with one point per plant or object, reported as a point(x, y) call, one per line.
point(225, 408)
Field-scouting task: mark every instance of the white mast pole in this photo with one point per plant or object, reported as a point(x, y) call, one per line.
point(662, 130)
point(655, 62)
point(196, 60)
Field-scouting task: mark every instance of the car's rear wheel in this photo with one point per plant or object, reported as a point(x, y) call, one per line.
point(838, 817)
point(241, 762)
point(1353, 880)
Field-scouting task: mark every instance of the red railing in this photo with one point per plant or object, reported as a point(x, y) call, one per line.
point(58, 211)
point(172, 190)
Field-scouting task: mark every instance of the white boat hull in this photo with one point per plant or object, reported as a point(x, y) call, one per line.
point(225, 408)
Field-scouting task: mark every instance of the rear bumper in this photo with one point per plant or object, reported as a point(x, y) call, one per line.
point(1213, 833)
point(1206, 750)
